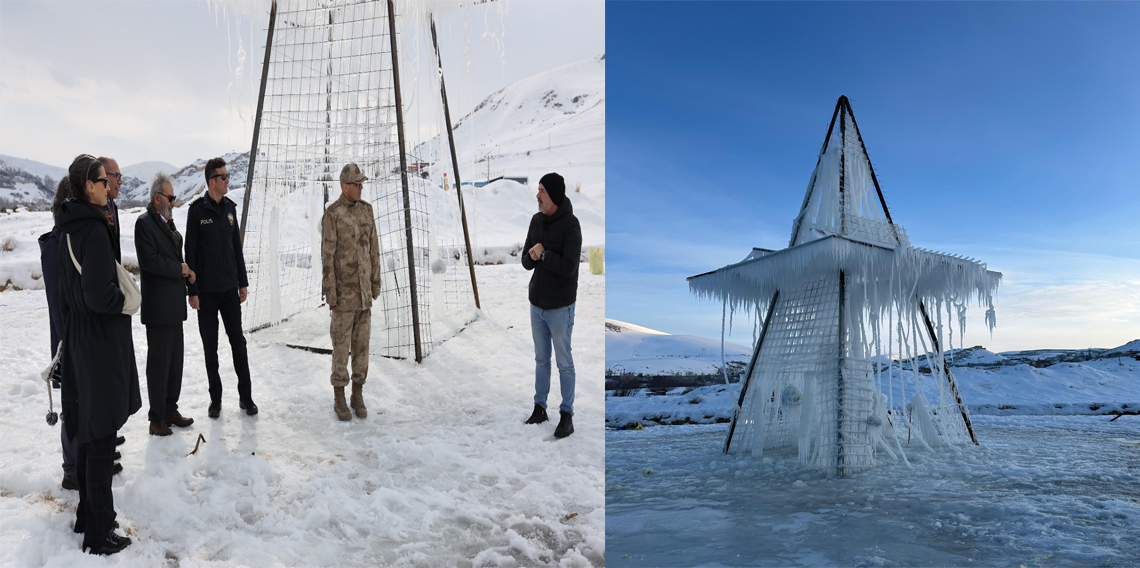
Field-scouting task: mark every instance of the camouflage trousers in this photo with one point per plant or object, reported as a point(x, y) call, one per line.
point(350, 332)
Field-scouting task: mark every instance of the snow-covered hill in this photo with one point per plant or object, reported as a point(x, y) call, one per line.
point(640, 350)
point(24, 182)
point(988, 382)
point(553, 121)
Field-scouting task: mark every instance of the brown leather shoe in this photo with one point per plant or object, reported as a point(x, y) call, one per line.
point(159, 429)
point(176, 419)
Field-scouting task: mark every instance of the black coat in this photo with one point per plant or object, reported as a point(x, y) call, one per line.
point(213, 246)
point(160, 266)
point(554, 283)
point(116, 229)
point(100, 380)
point(49, 264)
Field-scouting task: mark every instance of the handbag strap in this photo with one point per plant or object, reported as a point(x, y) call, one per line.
point(71, 251)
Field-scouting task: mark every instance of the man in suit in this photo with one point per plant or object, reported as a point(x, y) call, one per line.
point(164, 278)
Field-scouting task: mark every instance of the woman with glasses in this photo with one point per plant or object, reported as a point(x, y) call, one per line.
point(100, 380)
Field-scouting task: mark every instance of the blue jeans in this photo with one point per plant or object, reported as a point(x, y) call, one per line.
point(553, 326)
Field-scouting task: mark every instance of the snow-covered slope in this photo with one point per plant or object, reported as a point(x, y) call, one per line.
point(27, 182)
point(651, 352)
point(145, 170)
point(554, 121)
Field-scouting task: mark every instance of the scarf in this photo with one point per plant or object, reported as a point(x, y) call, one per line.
point(168, 228)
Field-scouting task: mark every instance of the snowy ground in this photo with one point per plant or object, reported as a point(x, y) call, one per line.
point(1042, 491)
point(443, 472)
point(1032, 390)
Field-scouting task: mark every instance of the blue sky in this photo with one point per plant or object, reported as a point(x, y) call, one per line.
point(1008, 132)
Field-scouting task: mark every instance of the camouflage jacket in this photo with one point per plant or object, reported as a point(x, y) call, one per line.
point(350, 255)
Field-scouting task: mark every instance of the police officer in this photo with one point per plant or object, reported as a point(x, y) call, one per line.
point(213, 253)
point(350, 268)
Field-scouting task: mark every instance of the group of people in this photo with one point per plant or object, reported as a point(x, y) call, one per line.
point(91, 299)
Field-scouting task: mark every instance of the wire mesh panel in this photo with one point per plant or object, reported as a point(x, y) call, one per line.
point(330, 99)
point(791, 396)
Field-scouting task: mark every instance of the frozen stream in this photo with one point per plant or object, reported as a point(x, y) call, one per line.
point(1056, 491)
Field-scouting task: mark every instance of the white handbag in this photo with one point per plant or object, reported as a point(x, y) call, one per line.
point(132, 297)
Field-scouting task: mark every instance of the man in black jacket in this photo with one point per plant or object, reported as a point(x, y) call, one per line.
point(553, 251)
point(164, 277)
point(213, 252)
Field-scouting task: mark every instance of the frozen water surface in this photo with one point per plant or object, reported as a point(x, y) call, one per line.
point(1041, 491)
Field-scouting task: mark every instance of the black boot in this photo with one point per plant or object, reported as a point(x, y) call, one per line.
point(565, 425)
point(112, 544)
point(538, 416)
point(215, 409)
point(249, 407)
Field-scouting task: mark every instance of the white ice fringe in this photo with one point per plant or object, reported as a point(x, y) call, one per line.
point(928, 275)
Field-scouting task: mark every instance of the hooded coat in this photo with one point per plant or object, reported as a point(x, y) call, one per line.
point(554, 283)
point(100, 380)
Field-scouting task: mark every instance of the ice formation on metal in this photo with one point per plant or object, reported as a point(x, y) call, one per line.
point(853, 325)
point(332, 93)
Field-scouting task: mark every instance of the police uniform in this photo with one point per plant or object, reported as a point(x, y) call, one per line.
point(213, 252)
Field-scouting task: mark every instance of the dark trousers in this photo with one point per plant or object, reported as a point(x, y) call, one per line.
point(95, 465)
point(164, 369)
point(70, 451)
point(228, 304)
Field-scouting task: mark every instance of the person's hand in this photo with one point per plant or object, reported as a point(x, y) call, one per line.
point(332, 305)
point(535, 252)
point(192, 277)
point(242, 293)
point(186, 270)
point(194, 302)
point(374, 296)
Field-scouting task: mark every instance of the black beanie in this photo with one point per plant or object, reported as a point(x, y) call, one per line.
point(555, 187)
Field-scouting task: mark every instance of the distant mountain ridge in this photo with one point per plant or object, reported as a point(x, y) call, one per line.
point(32, 184)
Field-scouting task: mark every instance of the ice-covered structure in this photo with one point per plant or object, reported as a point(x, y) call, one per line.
point(849, 305)
point(331, 93)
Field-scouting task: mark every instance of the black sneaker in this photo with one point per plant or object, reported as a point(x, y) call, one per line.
point(120, 440)
point(118, 469)
point(110, 545)
point(538, 416)
point(215, 409)
point(249, 407)
point(565, 425)
point(70, 483)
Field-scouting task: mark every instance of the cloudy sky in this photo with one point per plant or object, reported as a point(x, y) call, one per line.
point(165, 80)
point(1006, 132)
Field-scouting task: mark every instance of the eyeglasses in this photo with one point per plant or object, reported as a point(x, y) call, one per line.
point(225, 177)
point(101, 180)
point(117, 176)
point(169, 198)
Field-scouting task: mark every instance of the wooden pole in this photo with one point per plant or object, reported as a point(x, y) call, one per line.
point(455, 164)
point(257, 120)
point(404, 182)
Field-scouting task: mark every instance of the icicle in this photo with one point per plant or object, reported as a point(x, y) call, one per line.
point(723, 365)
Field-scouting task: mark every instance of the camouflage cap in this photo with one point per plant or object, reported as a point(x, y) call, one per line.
point(351, 173)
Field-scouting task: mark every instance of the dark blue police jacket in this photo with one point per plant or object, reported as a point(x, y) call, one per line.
point(213, 246)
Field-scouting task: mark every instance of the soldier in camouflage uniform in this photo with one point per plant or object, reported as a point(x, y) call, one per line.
point(350, 265)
